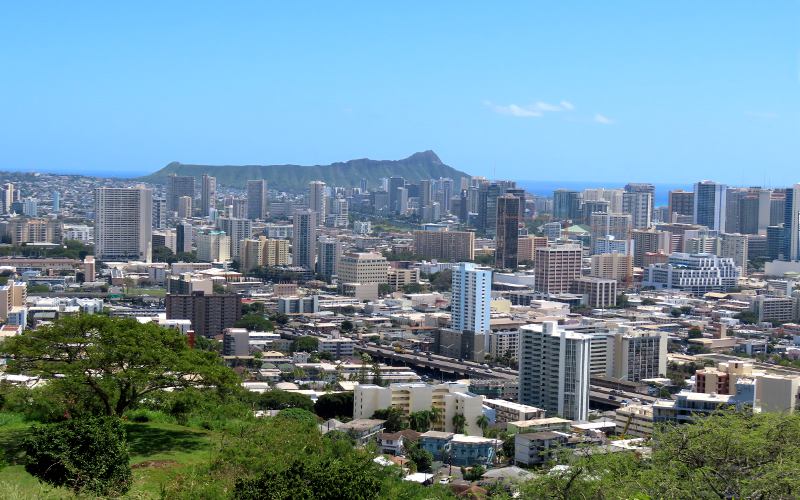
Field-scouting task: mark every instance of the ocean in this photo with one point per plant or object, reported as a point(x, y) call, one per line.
point(546, 188)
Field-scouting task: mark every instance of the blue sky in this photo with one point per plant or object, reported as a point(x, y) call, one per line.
point(659, 91)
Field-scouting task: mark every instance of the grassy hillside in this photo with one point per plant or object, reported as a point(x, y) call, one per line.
point(158, 452)
point(425, 165)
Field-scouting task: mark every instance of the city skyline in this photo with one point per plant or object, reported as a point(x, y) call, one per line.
point(504, 92)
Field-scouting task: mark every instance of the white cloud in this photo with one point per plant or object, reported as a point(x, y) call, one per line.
point(602, 119)
point(535, 110)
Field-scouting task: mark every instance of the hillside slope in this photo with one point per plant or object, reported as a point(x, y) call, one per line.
point(424, 165)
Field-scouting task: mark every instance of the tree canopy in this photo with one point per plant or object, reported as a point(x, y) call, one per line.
point(113, 360)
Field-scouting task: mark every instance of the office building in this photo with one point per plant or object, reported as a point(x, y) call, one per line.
point(486, 222)
point(452, 246)
point(304, 240)
point(329, 250)
point(298, 305)
point(566, 204)
point(363, 268)
point(693, 273)
point(450, 398)
point(791, 225)
point(681, 203)
point(552, 231)
point(597, 293)
point(508, 221)
point(557, 267)
point(178, 186)
point(213, 246)
point(123, 224)
point(396, 189)
point(208, 195)
point(257, 199)
point(318, 201)
point(471, 297)
point(263, 251)
point(710, 207)
point(554, 370)
point(237, 230)
point(210, 314)
point(184, 237)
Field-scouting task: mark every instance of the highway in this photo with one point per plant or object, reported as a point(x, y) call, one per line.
point(599, 395)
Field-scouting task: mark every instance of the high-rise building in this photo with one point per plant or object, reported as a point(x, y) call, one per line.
point(304, 241)
point(508, 220)
point(486, 223)
point(612, 196)
point(682, 203)
point(329, 250)
point(184, 207)
point(263, 251)
point(317, 201)
point(177, 186)
point(566, 204)
point(471, 298)
point(775, 241)
point(257, 199)
point(527, 246)
point(640, 205)
point(208, 194)
point(213, 246)
point(734, 246)
point(450, 246)
point(393, 187)
point(791, 225)
point(637, 355)
point(56, 202)
point(425, 193)
point(184, 237)
point(710, 206)
point(650, 241)
point(591, 206)
point(123, 223)
point(556, 267)
point(237, 230)
point(159, 213)
point(7, 195)
point(210, 314)
point(777, 207)
point(617, 225)
point(613, 266)
point(554, 370)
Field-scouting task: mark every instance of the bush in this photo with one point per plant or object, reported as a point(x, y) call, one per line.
point(281, 400)
point(86, 455)
point(334, 405)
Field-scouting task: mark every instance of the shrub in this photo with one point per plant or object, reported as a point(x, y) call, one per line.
point(85, 455)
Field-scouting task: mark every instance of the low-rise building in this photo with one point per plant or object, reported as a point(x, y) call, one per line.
point(538, 447)
point(509, 411)
point(634, 420)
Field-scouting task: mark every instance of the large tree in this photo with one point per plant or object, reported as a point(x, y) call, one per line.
point(117, 361)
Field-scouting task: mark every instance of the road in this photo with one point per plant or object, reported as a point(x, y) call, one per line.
point(600, 395)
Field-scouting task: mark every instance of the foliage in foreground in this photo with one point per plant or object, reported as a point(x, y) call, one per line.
point(85, 455)
point(728, 455)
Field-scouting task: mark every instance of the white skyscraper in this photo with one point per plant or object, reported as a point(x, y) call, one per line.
point(554, 370)
point(471, 296)
point(123, 223)
point(237, 230)
point(317, 200)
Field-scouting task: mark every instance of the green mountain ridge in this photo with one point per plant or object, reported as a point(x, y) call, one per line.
point(423, 165)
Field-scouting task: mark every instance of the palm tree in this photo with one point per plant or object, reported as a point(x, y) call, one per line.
point(435, 415)
point(483, 423)
point(459, 423)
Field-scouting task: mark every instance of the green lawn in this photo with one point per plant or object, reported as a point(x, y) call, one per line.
point(158, 451)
